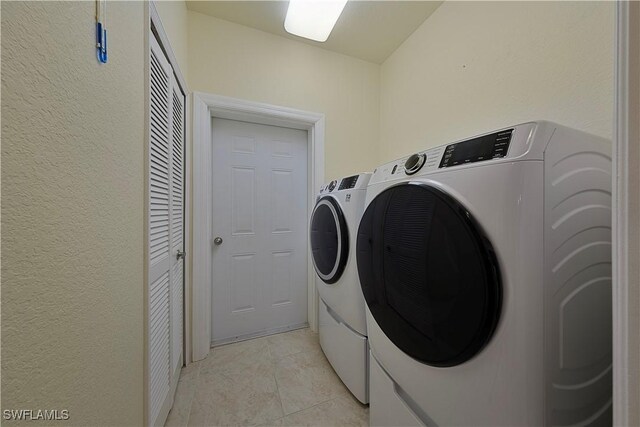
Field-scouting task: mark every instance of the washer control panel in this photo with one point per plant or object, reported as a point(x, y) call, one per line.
point(348, 182)
point(354, 182)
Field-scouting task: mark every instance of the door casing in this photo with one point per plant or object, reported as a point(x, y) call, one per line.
point(204, 107)
point(625, 233)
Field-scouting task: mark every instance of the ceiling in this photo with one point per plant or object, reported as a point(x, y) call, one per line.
point(369, 30)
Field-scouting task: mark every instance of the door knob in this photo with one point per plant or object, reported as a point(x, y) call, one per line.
point(180, 254)
point(217, 241)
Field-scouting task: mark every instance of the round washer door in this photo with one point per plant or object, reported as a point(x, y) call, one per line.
point(329, 239)
point(429, 275)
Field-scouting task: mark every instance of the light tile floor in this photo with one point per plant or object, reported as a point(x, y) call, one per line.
point(280, 380)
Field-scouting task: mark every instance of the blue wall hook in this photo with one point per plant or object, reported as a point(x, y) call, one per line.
point(101, 31)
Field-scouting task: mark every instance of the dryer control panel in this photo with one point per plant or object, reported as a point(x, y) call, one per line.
point(514, 142)
point(424, 161)
point(486, 147)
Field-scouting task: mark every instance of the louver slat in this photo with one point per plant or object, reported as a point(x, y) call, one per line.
point(159, 164)
point(177, 167)
point(159, 343)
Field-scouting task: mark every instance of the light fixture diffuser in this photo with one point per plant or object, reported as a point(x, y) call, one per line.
point(313, 19)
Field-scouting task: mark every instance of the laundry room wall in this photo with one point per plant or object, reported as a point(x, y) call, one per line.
point(73, 212)
point(175, 20)
point(634, 252)
point(234, 60)
point(476, 66)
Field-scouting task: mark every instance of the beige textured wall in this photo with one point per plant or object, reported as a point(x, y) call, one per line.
point(636, 253)
point(72, 212)
point(233, 60)
point(475, 66)
point(634, 214)
point(174, 17)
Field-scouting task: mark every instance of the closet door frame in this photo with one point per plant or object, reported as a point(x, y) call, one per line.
point(625, 230)
point(155, 30)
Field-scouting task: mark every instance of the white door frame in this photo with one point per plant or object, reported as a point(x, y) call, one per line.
point(204, 107)
point(626, 292)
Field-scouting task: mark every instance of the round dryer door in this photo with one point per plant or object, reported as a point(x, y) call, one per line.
point(429, 275)
point(329, 239)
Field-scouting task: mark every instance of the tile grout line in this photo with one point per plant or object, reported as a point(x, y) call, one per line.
point(286, 333)
point(196, 385)
point(312, 406)
point(275, 361)
point(278, 385)
point(275, 378)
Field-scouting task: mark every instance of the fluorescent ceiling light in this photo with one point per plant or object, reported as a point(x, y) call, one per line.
point(313, 19)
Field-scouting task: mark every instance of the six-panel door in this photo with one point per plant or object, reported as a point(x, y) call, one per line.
point(260, 215)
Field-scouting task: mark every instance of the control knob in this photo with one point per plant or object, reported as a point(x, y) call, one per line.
point(414, 163)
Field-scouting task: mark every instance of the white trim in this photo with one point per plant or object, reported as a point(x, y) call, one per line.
point(206, 106)
point(618, 223)
point(201, 250)
point(188, 265)
point(625, 298)
point(156, 23)
point(145, 249)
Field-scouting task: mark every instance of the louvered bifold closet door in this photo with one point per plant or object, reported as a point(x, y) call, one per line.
point(177, 223)
point(166, 177)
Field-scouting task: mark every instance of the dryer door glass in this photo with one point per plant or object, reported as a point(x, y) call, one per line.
point(429, 275)
point(329, 239)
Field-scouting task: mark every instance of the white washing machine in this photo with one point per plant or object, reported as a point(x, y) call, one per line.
point(486, 268)
point(343, 327)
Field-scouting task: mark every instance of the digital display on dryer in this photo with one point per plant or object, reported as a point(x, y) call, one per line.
point(486, 147)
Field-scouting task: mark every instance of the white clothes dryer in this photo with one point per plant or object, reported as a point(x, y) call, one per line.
point(343, 328)
point(486, 268)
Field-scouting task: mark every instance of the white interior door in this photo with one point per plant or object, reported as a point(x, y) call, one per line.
point(165, 234)
point(260, 217)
